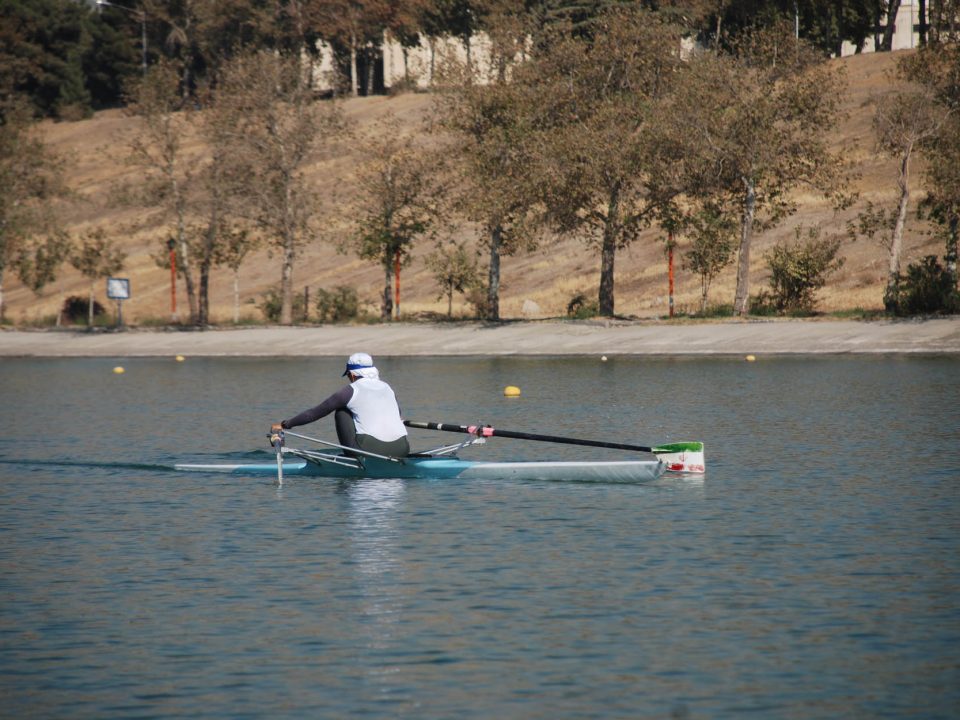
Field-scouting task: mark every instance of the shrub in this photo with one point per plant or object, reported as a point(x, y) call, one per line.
point(337, 305)
point(799, 270)
point(272, 301)
point(580, 308)
point(763, 304)
point(927, 288)
point(76, 309)
point(716, 311)
point(479, 298)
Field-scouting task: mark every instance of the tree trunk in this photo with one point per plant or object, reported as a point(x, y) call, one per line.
point(608, 253)
point(741, 298)
point(893, 8)
point(186, 264)
point(368, 54)
point(450, 303)
point(59, 301)
point(3, 307)
point(286, 280)
point(386, 308)
point(493, 278)
point(891, 295)
point(203, 305)
point(354, 91)
point(203, 314)
point(607, 259)
point(952, 248)
point(236, 295)
point(90, 307)
point(922, 21)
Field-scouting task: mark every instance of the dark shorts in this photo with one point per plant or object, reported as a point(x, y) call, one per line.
point(348, 437)
point(395, 448)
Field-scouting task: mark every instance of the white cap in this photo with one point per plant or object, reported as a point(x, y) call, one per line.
point(358, 362)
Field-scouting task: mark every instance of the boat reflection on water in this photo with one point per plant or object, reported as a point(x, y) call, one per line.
point(373, 510)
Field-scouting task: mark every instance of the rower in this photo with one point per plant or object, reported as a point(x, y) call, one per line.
point(366, 413)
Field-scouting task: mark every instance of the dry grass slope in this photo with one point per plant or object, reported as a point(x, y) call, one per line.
point(98, 173)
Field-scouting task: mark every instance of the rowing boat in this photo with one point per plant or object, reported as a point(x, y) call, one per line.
point(336, 465)
point(442, 463)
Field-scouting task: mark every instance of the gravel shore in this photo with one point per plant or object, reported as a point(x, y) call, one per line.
point(613, 337)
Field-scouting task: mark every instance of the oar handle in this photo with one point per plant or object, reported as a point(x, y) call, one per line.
point(487, 431)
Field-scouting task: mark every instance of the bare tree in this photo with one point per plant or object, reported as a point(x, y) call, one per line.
point(758, 118)
point(713, 232)
point(40, 260)
point(96, 258)
point(491, 153)
point(903, 121)
point(232, 249)
point(278, 130)
point(220, 183)
point(607, 166)
point(454, 269)
point(937, 68)
point(30, 179)
point(159, 149)
point(394, 204)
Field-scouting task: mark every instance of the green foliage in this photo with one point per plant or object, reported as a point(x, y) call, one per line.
point(716, 311)
point(763, 304)
point(857, 313)
point(799, 270)
point(396, 202)
point(97, 257)
point(62, 55)
point(581, 308)
point(714, 240)
point(337, 305)
point(30, 178)
point(40, 260)
point(272, 301)
point(927, 288)
point(479, 298)
point(607, 139)
point(455, 270)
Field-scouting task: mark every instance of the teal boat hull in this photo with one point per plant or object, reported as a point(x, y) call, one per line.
point(448, 468)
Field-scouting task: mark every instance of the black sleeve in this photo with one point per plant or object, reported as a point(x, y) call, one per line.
point(335, 402)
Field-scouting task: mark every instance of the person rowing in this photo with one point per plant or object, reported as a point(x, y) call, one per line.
point(366, 413)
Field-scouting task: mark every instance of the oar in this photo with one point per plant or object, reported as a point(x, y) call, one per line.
point(276, 439)
point(680, 457)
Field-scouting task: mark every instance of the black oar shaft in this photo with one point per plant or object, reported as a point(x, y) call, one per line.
point(486, 431)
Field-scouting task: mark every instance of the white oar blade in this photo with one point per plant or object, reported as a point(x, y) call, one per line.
point(683, 457)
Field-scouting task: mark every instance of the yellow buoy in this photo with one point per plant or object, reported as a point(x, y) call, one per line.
point(118, 370)
point(511, 391)
point(750, 358)
point(180, 358)
point(603, 358)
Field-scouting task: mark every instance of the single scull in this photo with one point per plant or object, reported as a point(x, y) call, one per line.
point(442, 463)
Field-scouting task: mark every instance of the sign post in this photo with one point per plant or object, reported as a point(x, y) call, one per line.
point(118, 289)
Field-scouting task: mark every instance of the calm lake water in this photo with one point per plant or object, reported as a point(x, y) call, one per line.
point(813, 572)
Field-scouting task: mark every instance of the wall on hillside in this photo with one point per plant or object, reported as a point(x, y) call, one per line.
point(417, 65)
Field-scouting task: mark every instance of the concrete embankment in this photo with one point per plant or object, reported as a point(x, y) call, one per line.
point(941, 336)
